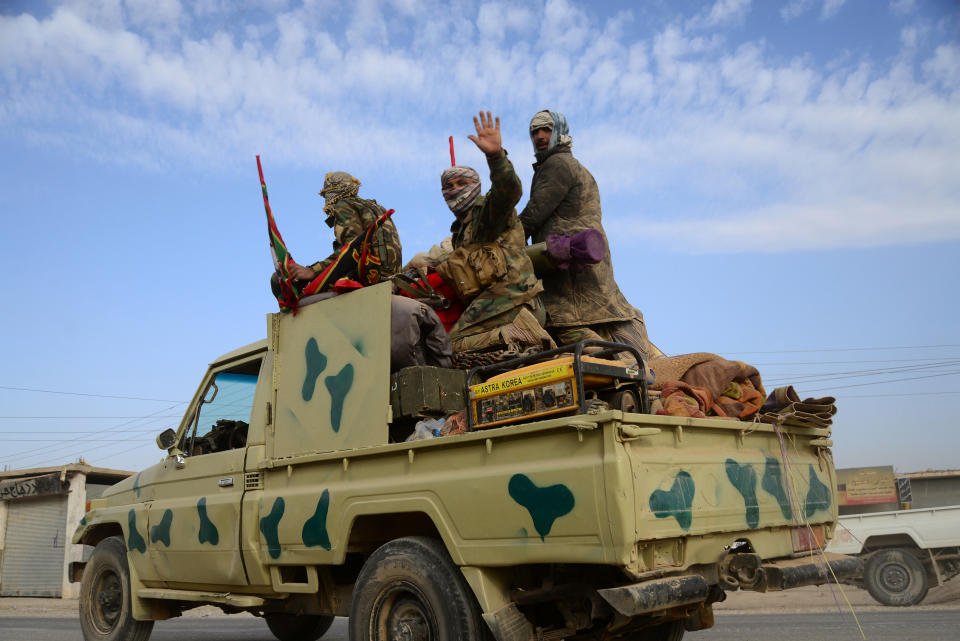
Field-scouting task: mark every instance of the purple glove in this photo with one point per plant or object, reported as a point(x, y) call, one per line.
point(576, 251)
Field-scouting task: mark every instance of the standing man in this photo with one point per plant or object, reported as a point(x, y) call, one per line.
point(489, 265)
point(350, 216)
point(564, 199)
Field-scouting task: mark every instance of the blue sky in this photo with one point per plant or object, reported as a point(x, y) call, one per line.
point(780, 185)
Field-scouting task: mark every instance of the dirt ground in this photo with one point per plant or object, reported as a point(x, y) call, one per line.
point(798, 600)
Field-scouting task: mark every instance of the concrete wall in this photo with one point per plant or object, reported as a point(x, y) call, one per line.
point(935, 492)
point(76, 508)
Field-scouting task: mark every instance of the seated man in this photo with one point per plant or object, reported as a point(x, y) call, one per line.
point(564, 200)
point(489, 266)
point(350, 216)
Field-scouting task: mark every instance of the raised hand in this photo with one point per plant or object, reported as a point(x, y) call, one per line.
point(488, 134)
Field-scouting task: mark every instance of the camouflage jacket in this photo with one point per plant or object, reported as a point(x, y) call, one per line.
point(351, 217)
point(494, 219)
point(564, 199)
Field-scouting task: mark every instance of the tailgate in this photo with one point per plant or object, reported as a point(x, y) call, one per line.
point(711, 482)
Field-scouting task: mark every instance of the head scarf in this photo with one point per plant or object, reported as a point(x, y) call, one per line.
point(556, 123)
point(337, 185)
point(459, 200)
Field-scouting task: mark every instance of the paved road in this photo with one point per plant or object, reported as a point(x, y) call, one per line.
point(886, 625)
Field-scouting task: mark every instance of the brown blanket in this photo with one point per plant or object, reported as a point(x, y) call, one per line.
point(735, 388)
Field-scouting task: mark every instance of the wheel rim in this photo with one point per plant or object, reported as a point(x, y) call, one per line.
point(108, 600)
point(894, 577)
point(402, 613)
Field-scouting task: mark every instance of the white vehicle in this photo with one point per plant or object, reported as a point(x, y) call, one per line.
point(904, 552)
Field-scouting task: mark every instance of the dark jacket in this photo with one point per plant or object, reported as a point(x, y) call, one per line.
point(564, 199)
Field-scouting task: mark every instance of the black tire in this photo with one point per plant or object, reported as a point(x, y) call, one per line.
point(410, 589)
point(105, 607)
point(305, 627)
point(895, 577)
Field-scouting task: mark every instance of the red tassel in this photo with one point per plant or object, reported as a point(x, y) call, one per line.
point(453, 161)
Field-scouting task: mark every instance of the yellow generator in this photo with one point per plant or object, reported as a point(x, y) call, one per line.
point(558, 381)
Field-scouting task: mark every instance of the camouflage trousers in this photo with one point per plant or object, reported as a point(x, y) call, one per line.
point(519, 327)
point(632, 332)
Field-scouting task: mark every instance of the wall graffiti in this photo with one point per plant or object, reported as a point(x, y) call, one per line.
point(34, 486)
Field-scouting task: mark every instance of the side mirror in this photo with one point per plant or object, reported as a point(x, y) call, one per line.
point(166, 439)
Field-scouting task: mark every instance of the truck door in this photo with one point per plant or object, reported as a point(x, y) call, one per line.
point(194, 519)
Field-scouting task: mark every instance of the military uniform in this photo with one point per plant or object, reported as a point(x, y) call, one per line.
point(494, 219)
point(564, 199)
point(350, 217)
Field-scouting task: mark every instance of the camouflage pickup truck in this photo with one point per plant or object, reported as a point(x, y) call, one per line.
point(283, 494)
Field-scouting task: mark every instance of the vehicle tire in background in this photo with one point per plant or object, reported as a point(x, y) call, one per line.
point(895, 577)
point(409, 588)
point(105, 608)
point(292, 627)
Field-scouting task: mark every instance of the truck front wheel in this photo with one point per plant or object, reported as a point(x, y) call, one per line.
point(305, 627)
point(895, 577)
point(410, 589)
point(105, 610)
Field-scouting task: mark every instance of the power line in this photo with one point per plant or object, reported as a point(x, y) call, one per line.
point(896, 380)
point(840, 349)
point(826, 376)
point(890, 360)
point(899, 398)
point(129, 398)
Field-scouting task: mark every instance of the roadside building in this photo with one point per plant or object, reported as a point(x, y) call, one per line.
point(865, 490)
point(39, 510)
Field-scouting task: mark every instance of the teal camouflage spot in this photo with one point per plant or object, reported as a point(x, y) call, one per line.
point(545, 504)
point(316, 363)
point(315, 529)
point(136, 484)
point(818, 496)
point(134, 540)
point(208, 531)
point(359, 346)
point(676, 501)
point(269, 526)
point(83, 520)
point(161, 531)
point(744, 478)
point(338, 386)
point(772, 483)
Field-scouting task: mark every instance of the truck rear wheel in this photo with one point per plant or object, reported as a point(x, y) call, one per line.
point(304, 627)
point(105, 608)
point(895, 577)
point(410, 589)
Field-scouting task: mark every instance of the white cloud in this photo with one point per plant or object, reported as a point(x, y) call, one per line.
point(746, 140)
point(722, 12)
point(903, 7)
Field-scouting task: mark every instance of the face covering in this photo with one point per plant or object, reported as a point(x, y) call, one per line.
point(337, 185)
point(556, 122)
point(459, 200)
